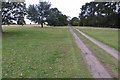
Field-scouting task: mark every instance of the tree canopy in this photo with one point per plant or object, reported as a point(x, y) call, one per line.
point(100, 14)
point(38, 13)
point(13, 13)
point(56, 18)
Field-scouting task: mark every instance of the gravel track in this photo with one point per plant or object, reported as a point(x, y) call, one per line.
point(108, 49)
point(94, 66)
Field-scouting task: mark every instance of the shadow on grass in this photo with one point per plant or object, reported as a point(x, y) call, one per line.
point(13, 33)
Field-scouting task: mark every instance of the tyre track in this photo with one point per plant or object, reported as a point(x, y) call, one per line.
point(94, 66)
point(108, 49)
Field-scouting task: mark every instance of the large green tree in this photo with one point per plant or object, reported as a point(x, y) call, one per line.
point(38, 13)
point(13, 12)
point(56, 18)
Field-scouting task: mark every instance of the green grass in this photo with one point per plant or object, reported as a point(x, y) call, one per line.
point(0, 56)
point(41, 53)
point(105, 35)
point(109, 62)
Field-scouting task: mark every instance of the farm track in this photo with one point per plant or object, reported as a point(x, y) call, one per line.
point(94, 66)
point(108, 49)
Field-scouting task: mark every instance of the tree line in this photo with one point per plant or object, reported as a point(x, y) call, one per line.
point(14, 13)
point(98, 14)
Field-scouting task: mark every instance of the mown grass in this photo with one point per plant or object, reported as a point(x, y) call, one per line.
point(109, 62)
point(105, 35)
point(0, 56)
point(41, 53)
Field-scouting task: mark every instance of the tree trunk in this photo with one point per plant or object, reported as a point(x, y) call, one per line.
point(41, 25)
point(0, 29)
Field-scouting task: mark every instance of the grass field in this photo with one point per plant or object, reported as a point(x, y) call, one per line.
point(109, 62)
point(30, 52)
point(0, 56)
point(105, 35)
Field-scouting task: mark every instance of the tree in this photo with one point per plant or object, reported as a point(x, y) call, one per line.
point(13, 12)
point(56, 18)
point(38, 13)
point(104, 14)
point(74, 21)
point(52, 19)
point(21, 21)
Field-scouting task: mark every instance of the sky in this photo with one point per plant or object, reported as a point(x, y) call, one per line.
point(68, 7)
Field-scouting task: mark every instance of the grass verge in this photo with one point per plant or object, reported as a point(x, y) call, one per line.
point(104, 35)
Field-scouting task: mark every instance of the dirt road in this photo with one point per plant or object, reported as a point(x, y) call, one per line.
point(94, 66)
point(108, 49)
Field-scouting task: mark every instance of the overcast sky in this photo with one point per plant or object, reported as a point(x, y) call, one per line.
point(68, 7)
